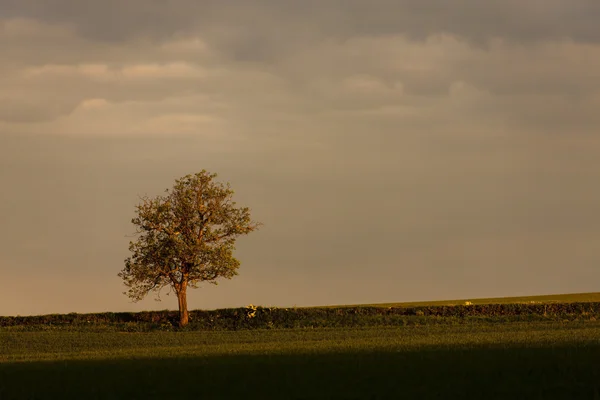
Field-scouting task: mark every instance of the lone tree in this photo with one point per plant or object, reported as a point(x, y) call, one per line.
point(185, 237)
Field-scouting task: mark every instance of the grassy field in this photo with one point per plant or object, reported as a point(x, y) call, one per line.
point(500, 361)
point(550, 298)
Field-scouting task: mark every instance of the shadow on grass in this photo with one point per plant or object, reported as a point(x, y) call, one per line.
point(515, 373)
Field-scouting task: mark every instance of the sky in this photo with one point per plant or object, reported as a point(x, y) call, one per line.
point(395, 150)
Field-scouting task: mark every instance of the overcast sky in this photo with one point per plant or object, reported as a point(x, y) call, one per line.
point(394, 150)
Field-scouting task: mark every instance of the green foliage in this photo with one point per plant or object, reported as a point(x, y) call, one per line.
point(185, 237)
point(253, 317)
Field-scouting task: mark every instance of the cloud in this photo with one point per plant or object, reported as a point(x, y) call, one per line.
point(244, 24)
point(91, 104)
point(54, 70)
point(172, 70)
point(154, 71)
point(31, 108)
point(431, 135)
point(310, 60)
point(17, 28)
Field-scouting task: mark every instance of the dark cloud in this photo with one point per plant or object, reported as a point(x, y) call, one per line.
point(256, 23)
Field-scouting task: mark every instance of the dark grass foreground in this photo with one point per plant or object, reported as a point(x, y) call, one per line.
point(563, 372)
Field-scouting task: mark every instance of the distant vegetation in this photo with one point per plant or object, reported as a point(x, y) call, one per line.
point(253, 317)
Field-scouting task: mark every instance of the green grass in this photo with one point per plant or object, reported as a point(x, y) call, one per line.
point(550, 298)
point(497, 361)
point(493, 357)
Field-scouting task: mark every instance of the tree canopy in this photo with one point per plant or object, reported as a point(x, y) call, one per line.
point(185, 237)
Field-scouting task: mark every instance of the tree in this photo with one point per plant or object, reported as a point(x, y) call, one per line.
point(185, 237)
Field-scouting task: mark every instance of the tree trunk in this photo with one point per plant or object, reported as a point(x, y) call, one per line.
point(183, 311)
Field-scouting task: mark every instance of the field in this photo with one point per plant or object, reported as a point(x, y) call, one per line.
point(480, 359)
point(549, 298)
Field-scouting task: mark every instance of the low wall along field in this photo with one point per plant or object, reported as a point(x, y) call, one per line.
point(253, 317)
